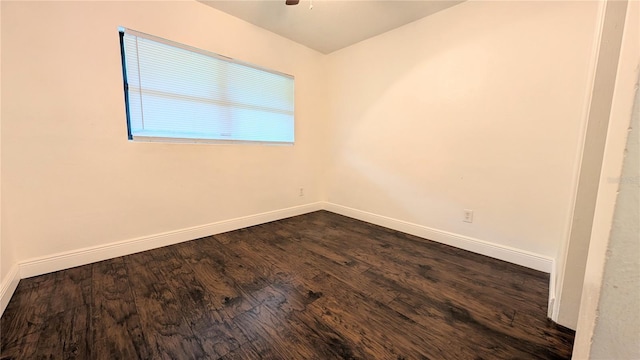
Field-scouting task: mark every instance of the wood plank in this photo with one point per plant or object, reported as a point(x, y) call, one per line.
point(64, 336)
point(117, 332)
point(25, 316)
point(387, 334)
point(226, 263)
point(217, 292)
point(73, 287)
point(388, 246)
point(323, 338)
point(257, 349)
point(260, 324)
point(208, 319)
point(161, 313)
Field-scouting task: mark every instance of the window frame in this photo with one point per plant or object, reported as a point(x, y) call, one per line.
point(194, 140)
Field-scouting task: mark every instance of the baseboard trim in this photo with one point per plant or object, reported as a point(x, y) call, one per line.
point(551, 305)
point(8, 287)
point(497, 251)
point(69, 259)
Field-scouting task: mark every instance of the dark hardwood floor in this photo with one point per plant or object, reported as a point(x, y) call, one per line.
point(316, 286)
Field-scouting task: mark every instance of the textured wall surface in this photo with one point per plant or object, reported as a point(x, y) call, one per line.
point(617, 331)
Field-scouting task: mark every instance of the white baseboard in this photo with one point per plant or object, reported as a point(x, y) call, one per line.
point(69, 259)
point(501, 252)
point(8, 287)
point(552, 312)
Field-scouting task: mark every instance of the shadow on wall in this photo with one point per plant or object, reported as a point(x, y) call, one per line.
point(456, 115)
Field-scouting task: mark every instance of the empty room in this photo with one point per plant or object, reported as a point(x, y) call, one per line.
point(319, 179)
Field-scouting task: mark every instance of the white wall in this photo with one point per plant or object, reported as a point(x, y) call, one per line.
point(72, 180)
point(480, 106)
point(7, 260)
point(609, 322)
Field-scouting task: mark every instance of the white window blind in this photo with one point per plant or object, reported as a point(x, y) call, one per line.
point(174, 91)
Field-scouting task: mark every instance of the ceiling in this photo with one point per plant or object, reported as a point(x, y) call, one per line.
point(331, 24)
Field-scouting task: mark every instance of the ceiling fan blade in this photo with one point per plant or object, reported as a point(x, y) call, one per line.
point(292, 2)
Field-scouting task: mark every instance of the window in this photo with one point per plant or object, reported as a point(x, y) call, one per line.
point(177, 92)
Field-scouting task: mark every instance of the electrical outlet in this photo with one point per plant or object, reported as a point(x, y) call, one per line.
point(301, 192)
point(468, 216)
